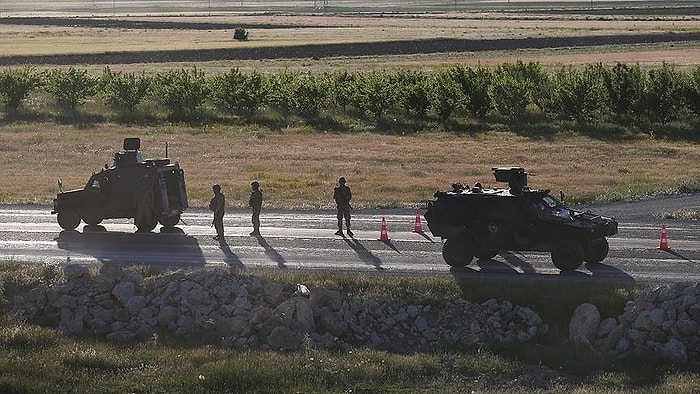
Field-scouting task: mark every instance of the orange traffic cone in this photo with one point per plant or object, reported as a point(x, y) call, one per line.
point(663, 245)
point(418, 227)
point(383, 235)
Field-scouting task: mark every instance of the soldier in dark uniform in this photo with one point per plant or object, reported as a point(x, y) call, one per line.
point(217, 205)
point(144, 204)
point(342, 196)
point(255, 202)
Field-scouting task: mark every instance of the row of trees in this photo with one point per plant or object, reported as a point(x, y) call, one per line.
point(623, 94)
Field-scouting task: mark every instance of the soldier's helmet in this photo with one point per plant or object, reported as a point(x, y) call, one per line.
point(255, 184)
point(341, 180)
point(216, 188)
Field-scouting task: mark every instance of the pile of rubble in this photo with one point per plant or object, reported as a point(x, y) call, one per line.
point(663, 322)
point(252, 312)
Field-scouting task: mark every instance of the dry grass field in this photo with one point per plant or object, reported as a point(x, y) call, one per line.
point(298, 168)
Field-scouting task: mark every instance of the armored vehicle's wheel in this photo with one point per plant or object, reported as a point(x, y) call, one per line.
point(91, 218)
point(485, 254)
point(458, 252)
point(567, 255)
point(68, 220)
point(597, 251)
point(169, 221)
point(145, 226)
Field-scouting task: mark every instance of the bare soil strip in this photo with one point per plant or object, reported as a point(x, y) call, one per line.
point(351, 49)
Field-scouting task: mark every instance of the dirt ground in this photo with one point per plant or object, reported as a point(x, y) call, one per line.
point(388, 42)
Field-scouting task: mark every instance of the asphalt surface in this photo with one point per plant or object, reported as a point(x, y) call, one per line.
point(306, 240)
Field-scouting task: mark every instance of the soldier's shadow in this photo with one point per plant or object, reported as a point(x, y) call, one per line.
point(517, 262)
point(173, 248)
point(230, 258)
point(271, 253)
point(365, 255)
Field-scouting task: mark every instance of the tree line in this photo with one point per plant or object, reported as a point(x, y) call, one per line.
point(510, 94)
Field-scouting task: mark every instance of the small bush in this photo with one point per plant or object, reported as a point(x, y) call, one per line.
point(240, 34)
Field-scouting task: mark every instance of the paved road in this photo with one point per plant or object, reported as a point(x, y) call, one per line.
point(305, 240)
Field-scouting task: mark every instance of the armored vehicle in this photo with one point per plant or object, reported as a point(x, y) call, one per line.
point(480, 222)
point(116, 192)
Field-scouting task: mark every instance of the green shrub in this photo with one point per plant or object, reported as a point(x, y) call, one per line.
point(662, 98)
point(70, 88)
point(445, 95)
point(577, 95)
point(474, 84)
point(240, 33)
point(124, 91)
point(16, 85)
point(310, 95)
point(183, 92)
point(624, 86)
point(412, 91)
point(373, 93)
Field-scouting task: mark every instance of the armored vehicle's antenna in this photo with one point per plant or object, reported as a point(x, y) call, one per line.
point(166, 148)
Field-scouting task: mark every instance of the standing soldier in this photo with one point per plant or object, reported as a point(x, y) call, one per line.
point(342, 196)
point(217, 205)
point(255, 202)
point(144, 205)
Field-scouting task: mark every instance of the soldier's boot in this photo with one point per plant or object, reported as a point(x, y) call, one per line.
point(340, 227)
point(350, 233)
point(256, 230)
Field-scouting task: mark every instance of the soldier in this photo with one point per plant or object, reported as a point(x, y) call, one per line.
point(255, 202)
point(342, 196)
point(144, 205)
point(217, 205)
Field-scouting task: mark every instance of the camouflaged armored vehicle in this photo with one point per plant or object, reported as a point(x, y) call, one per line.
point(112, 192)
point(480, 222)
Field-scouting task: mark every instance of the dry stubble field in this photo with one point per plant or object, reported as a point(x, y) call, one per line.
point(298, 169)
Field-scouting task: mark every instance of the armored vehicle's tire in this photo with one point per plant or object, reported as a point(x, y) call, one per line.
point(458, 252)
point(68, 220)
point(485, 254)
point(597, 251)
point(91, 218)
point(567, 255)
point(169, 221)
point(145, 227)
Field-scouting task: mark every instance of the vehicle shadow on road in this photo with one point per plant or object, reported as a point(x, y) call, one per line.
point(365, 255)
point(494, 266)
point(172, 248)
point(271, 253)
point(490, 269)
point(230, 258)
point(604, 272)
